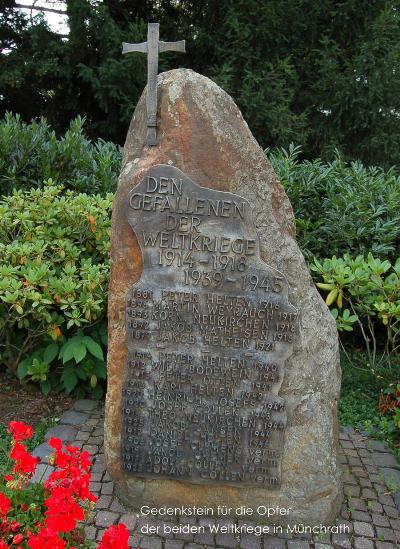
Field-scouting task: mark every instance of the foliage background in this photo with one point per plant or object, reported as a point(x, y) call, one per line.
point(320, 74)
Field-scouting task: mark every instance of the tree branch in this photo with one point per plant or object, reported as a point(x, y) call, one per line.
point(41, 8)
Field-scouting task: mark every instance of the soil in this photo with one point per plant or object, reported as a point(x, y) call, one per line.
point(26, 403)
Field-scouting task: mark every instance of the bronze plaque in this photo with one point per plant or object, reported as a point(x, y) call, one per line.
point(208, 328)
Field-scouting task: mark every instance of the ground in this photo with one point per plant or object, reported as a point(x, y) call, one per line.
point(27, 403)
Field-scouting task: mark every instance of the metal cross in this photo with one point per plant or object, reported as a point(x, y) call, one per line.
point(152, 47)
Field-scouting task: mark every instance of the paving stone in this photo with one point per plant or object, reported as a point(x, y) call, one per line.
point(73, 418)
point(380, 520)
point(42, 473)
point(391, 512)
point(97, 441)
point(363, 543)
point(66, 433)
point(150, 543)
point(396, 497)
point(385, 534)
point(391, 477)
point(347, 444)
point(82, 435)
point(100, 533)
point(354, 461)
point(271, 542)
point(322, 546)
point(341, 540)
point(349, 479)
point(85, 405)
point(205, 538)
point(250, 541)
point(103, 502)
point(106, 518)
point(91, 448)
point(357, 504)
point(363, 529)
point(226, 540)
point(297, 544)
point(116, 506)
point(173, 544)
point(107, 488)
point(387, 499)
point(384, 545)
point(377, 446)
point(365, 483)
point(361, 516)
point(43, 451)
point(385, 459)
point(368, 493)
point(395, 523)
point(351, 491)
point(95, 486)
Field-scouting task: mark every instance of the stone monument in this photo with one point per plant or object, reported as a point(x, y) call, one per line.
point(223, 367)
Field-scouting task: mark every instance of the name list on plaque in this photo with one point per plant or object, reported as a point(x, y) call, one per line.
point(208, 328)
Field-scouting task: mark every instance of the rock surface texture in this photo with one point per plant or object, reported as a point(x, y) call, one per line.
point(202, 132)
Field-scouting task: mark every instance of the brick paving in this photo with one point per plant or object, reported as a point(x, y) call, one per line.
point(369, 516)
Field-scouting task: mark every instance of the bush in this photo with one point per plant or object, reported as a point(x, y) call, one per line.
point(31, 154)
point(341, 207)
point(54, 270)
point(365, 291)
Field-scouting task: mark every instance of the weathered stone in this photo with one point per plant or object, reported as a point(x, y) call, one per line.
point(73, 418)
point(391, 477)
point(43, 451)
point(385, 459)
point(202, 133)
point(66, 433)
point(42, 473)
point(85, 405)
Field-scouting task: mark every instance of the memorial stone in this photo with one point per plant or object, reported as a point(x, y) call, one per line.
point(223, 371)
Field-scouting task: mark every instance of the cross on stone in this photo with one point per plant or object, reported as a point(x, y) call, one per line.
point(152, 47)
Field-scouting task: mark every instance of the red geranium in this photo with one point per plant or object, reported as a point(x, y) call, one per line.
point(46, 539)
point(116, 537)
point(25, 463)
point(63, 510)
point(5, 504)
point(19, 430)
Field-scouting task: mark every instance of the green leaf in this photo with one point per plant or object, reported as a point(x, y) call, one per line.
point(93, 347)
point(79, 352)
point(45, 387)
point(50, 353)
point(22, 370)
point(69, 379)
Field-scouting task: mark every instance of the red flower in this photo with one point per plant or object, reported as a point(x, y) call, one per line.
point(24, 462)
point(46, 539)
point(115, 537)
point(63, 511)
point(15, 526)
point(19, 431)
point(17, 539)
point(24, 507)
point(5, 504)
point(55, 443)
point(3, 545)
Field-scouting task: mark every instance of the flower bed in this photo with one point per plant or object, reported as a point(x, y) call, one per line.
point(48, 514)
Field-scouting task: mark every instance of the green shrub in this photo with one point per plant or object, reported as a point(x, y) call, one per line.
point(369, 291)
point(341, 207)
point(31, 154)
point(54, 270)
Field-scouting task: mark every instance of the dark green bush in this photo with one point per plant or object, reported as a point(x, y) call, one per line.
point(341, 207)
point(32, 153)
